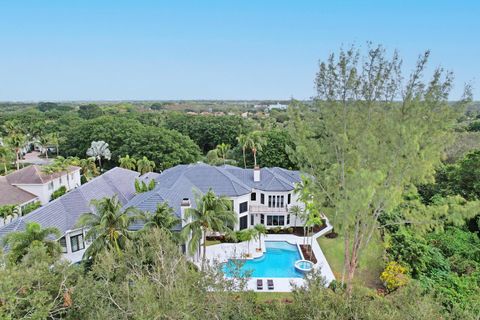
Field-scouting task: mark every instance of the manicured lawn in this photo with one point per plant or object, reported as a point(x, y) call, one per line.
point(212, 242)
point(370, 265)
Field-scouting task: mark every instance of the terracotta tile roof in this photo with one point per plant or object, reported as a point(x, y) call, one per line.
point(34, 175)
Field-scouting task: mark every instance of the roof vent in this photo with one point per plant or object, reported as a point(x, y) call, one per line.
point(185, 202)
point(256, 174)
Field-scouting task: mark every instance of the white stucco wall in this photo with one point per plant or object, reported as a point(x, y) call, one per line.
point(44, 192)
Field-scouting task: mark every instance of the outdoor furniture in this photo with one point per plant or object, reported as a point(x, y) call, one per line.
point(259, 284)
point(270, 284)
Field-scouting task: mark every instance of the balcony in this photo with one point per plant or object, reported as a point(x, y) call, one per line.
point(266, 209)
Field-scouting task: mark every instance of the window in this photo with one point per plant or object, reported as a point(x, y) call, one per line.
point(243, 207)
point(63, 244)
point(288, 219)
point(253, 196)
point(262, 198)
point(50, 186)
point(275, 220)
point(244, 222)
point(77, 242)
point(252, 219)
point(289, 198)
point(262, 219)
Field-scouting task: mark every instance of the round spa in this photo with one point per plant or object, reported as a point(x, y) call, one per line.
point(304, 265)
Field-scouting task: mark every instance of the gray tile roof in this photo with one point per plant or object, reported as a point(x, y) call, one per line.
point(178, 182)
point(64, 212)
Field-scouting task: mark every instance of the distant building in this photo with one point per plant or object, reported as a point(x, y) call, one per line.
point(277, 106)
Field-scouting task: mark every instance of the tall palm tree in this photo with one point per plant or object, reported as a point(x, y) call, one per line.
point(255, 143)
point(127, 162)
point(44, 141)
point(55, 140)
point(222, 150)
point(19, 242)
point(17, 141)
point(243, 141)
point(144, 165)
point(108, 225)
point(99, 150)
point(212, 213)
point(163, 218)
point(297, 211)
point(260, 230)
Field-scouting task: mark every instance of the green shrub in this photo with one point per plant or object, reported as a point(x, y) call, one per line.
point(30, 207)
point(58, 193)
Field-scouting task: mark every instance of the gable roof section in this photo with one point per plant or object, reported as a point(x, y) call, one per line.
point(11, 195)
point(63, 213)
point(34, 175)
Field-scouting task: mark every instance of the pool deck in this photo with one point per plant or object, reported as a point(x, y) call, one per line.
point(222, 252)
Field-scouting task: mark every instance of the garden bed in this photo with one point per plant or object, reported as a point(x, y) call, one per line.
point(308, 253)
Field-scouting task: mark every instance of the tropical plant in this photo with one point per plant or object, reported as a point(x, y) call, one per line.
point(242, 140)
point(31, 207)
point(19, 242)
point(54, 139)
point(17, 141)
point(212, 213)
point(99, 150)
point(144, 165)
point(247, 235)
point(58, 193)
point(6, 156)
point(255, 142)
point(394, 276)
point(163, 218)
point(8, 210)
point(222, 150)
point(141, 186)
point(107, 225)
point(260, 230)
point(127, 162)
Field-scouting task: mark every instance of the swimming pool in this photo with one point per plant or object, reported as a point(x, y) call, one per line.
point(277, 262)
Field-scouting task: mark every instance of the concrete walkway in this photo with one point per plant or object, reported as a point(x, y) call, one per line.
point(220, 253)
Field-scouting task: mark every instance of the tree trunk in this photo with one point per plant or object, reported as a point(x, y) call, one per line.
point(244, 158)
point(5, 167)
point(17, 163)
point(204, 255)
point(254, 150)
point(100, 164)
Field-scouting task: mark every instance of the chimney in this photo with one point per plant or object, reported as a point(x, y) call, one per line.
point(185, 204)
point(256, 174)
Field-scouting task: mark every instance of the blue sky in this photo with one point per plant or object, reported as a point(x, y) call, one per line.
point(109, 50)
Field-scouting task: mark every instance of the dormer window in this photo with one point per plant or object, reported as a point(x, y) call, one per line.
point(253, 196)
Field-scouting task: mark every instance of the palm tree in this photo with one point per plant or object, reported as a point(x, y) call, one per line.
point(260, 229)
point(222, 150)
point(19, 242)
point(99, 150)
point(296, 211)
point(5, 157)
point(44, 141)
point(17, 142)
point(89, 168)
point(127, 162)
point(144, 165)
point(108, 225)
point(243, 141)
point(55, 140)
point(163, 218)
point(212, 213)
point(255, 142)
point(247, 235)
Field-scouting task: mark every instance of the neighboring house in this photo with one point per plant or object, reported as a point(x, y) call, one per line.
point(63, 213)
point(12, 195)
point(33, 180)
point(277, 106)
point(258, 195)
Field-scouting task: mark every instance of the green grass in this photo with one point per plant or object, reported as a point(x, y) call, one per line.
point(212, 242)
point(370, 264)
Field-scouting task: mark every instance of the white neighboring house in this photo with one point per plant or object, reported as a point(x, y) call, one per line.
point(33, 180)
point(64, 212)
point(11, 195)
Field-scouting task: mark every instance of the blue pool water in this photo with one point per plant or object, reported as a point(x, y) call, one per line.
point(277, 262)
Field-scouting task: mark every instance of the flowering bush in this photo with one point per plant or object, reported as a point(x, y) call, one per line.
point(394, 276)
